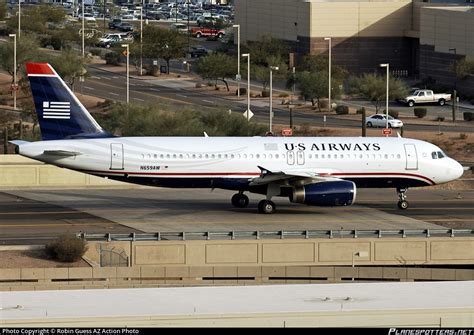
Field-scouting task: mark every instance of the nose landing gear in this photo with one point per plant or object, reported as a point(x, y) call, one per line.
point(402, 202)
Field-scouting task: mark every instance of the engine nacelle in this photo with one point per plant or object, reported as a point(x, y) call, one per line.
point(328, 193)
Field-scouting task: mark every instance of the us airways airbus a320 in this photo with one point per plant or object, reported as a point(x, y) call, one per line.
point(316, 171)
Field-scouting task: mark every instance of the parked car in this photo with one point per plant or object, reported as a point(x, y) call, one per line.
point(426, 96)
point(124, 26)
point(198, 51)
point(379, 120)
point(114, 23)
point(109, 40)
point(181, 27)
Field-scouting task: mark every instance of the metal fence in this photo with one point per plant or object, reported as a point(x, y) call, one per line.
point(294, 234)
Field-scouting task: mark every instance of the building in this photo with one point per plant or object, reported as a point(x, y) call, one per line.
point(413, 36)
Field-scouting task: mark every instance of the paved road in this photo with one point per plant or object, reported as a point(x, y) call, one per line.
point(34, 213)
point(181, 93)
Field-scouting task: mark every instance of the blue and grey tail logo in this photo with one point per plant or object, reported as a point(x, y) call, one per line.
point(56, 110)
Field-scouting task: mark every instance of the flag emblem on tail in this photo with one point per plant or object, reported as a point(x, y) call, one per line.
point(56, 110)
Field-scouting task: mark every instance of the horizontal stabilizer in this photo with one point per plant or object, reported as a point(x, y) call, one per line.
point(61, 153)
point(18, 142)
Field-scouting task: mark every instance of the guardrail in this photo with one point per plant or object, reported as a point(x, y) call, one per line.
point(295, 234)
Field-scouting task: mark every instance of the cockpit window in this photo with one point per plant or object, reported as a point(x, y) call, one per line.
point(441, 154)
point(434, 155)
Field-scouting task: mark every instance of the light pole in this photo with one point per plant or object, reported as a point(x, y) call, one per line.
point(19, 19)
point(141, 39)
point(271, 94)
point(238, 58)
point(329, 79)
point(83, 30)
point(248, 85)
point(128, 68)
point(14, 70)
point(455, 93)
point(387, 65)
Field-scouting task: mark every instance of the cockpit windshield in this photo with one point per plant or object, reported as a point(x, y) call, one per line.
point(438, 154)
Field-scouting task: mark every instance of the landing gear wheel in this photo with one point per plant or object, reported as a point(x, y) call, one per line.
point(266, 207)
point(402, 204)
point(240, 200)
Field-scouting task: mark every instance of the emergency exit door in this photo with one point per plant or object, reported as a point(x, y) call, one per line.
point(116, 156)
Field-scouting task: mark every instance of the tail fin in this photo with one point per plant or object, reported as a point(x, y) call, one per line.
point(60, 114)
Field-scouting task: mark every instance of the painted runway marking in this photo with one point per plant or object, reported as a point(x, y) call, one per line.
point(88, 87)
point(211, 102)
point(138, 99)
point(116, 94)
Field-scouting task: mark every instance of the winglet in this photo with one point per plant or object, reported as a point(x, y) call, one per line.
point(18, 142)
point(205, 134)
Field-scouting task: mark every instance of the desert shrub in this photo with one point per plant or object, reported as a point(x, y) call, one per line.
point(323, 103)
point(265, 94)
point(198, 85)
point(243, 91)
point(66, 248)
point(393, 113)
point(468, 116)
point(283, 95)
point(420, 112)
point(360, 110)
point(96, 51)
point(440, 118)
point(342, 109)
point(463, 136)
point(112, 58)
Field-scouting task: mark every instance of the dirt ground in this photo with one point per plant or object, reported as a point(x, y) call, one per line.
point(33, 259)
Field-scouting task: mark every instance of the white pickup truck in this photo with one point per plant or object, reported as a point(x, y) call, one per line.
point(426, 96)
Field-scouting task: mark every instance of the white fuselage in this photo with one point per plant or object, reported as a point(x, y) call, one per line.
point(218, 161)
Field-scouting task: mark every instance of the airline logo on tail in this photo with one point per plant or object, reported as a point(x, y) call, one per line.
point(56, 110)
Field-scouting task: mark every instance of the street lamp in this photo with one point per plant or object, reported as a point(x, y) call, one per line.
point(387, 65)
point(271, 94)
point(141, 39)
point(238, 58)
point(19, 18)
point(455, 84)
point(83, 30)
point(128, 77)
point(248, 85)
point(329, 80)
point(14, 70)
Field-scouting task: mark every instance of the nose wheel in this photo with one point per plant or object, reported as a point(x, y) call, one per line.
point(240, 200)
point(402, 202)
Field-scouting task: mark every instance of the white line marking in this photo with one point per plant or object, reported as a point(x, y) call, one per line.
point(116, 94)
point(95, 77)
point(154, 89)
point(88, 87)
point(138, 99)
point(107, 78)
point(115, 77)
point(181, 95)
point(211, 102)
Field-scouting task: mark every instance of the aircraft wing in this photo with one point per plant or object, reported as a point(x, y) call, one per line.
point(291, 176)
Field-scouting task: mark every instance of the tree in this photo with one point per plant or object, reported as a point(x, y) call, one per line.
point(262, 72)
point(463, 68)
point(3, 10)
point(35, 18)
point(216, 67)
point(314, 86)
point(69, 66)
point(26, 50)
point(319, 63)
point(373, 88)
point(163, 43)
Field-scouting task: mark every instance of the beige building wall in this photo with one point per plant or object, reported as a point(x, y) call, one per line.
point(448, 27)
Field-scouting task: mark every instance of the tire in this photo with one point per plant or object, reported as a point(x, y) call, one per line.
point(441, 102)
point(369, 124)
point(266, 207)
point(240, 200)
point(403, 204)
point(220, 35)
point(198, 35)
point(411, 103)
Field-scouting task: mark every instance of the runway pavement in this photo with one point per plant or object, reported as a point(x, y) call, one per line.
point(33, 213)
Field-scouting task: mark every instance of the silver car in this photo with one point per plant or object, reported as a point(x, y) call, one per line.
point(378, 120)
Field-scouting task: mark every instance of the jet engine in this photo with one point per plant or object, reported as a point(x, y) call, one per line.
point(328, 193)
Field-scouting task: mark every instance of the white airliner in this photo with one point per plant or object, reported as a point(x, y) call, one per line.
point(316, 171)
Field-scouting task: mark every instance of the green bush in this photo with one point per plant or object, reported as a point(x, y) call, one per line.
point(112, 58)
point(342, 109)
point(66, 248)
point(393, 113)
point(243, 91)
point(360, 110)
point(468, 116)
point(96, 51)
point(420, 112)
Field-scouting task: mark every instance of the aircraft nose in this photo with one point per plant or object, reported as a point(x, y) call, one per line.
point(458, 170)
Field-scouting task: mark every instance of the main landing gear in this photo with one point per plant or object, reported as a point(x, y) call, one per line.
point(402, 202)
point(240, 200)
point(266, 207)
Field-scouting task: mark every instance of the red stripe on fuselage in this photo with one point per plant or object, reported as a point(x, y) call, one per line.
point(381, 174)
point(38, 68)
